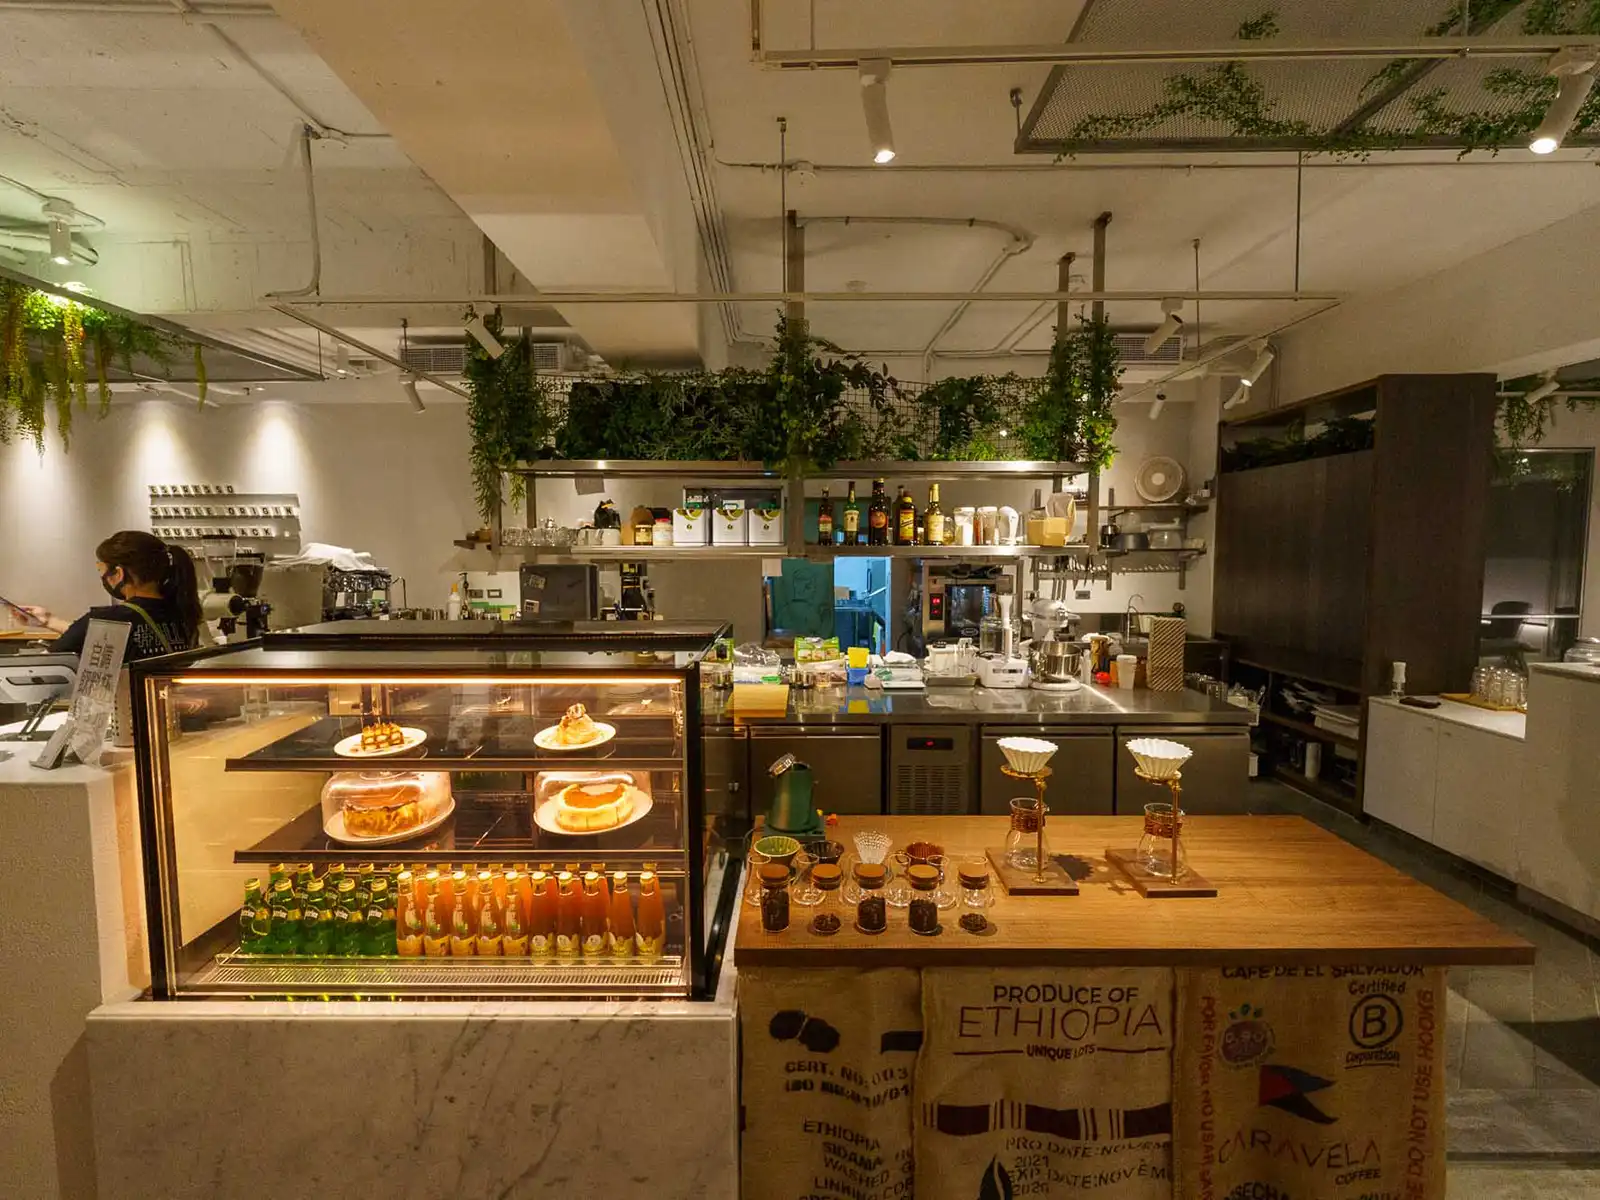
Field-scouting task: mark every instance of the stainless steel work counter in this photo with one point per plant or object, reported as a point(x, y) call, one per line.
point(981, 706)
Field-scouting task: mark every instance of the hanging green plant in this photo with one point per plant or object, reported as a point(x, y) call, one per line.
point(1524, 422)
point(508, 414)
point(1070, 417)
point(46, 344)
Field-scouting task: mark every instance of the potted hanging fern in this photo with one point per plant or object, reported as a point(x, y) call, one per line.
point(507, 414)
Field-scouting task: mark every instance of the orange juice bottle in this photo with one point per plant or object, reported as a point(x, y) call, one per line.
point(621, 917)
point(409, 928)
point(592, 916)
point(447, 890)
point(568, 903)
point(651, 927)
point(541, 915)
point(462, 892)
point(523, 887)
point(463, 938)
point(436, 923)
point(488, 922)
point(423, 880)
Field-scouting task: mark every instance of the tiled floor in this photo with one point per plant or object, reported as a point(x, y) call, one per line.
point(1523, 1048)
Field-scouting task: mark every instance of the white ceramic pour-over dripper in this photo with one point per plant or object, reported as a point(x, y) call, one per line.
point(1159, 758)
point(1026, 755)
point(872, 846)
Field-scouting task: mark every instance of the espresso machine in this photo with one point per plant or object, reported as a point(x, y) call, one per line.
point(956, 596)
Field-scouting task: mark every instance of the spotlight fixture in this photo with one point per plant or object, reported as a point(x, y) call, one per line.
point(410, 386)
point(1574, 71)
point(480, 333)
point(1549, 387)
point(1240, 395)
point(875, 102)
point(1157, 405)
point(1258, 368)
point(1171, 322)
point(58, 215)
point(341, 359)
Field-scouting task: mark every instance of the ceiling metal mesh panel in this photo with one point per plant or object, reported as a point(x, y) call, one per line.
point(1354, 104)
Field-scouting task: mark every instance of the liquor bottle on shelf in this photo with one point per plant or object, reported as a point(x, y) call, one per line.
point(825, 520)
point(541, 916)
point(569, 902)
point(253, 909)
point(933, 518)
point(284, 911)
point(316, 921)
point(436, 921)
point(514, 929)
point(379, 928)
point(621, 917)
point(463, 938)
point(878, 515)
point(488, 922)
point(651, 927)
point(592, 916)
point(905, 519)
point(852, 517)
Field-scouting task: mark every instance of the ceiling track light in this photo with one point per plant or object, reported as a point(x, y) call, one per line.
point(341, 359)
point(480, 334)
point(1258, 368)
point(1157, 405)
point(1544, 391)
point(874, 73)
point(1240, 395)
point(1574, 71)
point(58, 215)
point(410, 387)
point(1171, 322)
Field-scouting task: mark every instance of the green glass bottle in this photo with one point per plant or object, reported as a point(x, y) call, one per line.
point(253, 909)
point(283, 936)
point(348, 920)
point(316, 921)
point(378, 930)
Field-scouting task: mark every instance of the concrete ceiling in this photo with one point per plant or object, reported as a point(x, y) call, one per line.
point(553, 127)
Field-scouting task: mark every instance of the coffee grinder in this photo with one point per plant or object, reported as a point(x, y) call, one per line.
point(235, 591)
point(636, 600)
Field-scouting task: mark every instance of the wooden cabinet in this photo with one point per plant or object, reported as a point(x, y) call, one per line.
point(1402, 768)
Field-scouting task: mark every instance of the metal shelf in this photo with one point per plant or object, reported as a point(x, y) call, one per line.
point(469, 976)
point(649, 553)
point(666, 469)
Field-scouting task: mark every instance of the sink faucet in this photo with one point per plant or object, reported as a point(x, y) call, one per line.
point(1128, 618)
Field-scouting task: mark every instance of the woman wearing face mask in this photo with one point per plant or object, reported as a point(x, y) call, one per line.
point(156, 591)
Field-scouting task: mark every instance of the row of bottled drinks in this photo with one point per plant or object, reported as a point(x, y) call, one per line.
point(543, 914)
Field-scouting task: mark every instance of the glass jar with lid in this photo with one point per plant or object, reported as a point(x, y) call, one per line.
point(923, 910)
point(774, 897)
point(872, 911)
point(826, 877)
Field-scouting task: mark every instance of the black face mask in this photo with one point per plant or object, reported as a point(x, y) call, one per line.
point(114, 590)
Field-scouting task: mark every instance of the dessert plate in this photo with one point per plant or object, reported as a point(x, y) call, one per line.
point(545, 739)
point(334, 828)
point(350, 747)
point(545, 816)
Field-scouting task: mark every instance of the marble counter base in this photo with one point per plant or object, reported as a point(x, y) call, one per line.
point(412, 1100)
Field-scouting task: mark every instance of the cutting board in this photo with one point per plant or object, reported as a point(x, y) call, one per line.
point(760, 699)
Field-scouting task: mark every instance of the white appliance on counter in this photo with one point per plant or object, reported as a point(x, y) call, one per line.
point(998, 671)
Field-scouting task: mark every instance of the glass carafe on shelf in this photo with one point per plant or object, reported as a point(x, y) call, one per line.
point(1025, 841)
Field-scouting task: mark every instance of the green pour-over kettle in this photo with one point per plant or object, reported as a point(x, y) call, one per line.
point(792, 811)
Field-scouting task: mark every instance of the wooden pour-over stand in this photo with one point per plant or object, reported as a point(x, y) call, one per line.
point(1047, 877)
point(1183, 881)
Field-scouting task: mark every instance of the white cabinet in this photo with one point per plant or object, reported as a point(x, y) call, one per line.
point(1402, 758)
point(1480, 788)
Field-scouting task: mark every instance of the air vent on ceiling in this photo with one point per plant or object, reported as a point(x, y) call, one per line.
point(1130, 350)
point(442, 358)
point(547, 356)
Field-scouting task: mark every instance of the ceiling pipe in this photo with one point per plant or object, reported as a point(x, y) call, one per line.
point(315, 286)
point(137, 8)
point(1192, 366)
point(1266, 50)
point(1261, 163)
point(560, 298)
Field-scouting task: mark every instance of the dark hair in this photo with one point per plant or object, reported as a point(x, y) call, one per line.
point(148, 559)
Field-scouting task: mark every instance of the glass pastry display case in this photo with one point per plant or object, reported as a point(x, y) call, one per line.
point(433, 809)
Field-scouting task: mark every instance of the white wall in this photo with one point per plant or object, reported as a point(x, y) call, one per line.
point(373, 476)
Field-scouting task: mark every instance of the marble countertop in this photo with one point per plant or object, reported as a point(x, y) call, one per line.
point(1503, 724)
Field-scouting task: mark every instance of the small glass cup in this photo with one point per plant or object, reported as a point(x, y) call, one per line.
point(1156, 846)
point(897, 892)
point(754, 861)
point(977, 894)
point(1480, 682)
point(829, 917)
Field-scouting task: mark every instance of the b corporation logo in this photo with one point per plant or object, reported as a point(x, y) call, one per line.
point(1375, 1022)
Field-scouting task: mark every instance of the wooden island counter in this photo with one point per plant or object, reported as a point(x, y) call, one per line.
point(1282, 1040)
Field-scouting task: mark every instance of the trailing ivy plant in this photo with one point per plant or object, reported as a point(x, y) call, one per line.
point(50, 348)
point(1525, 423)
point(507, 412)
